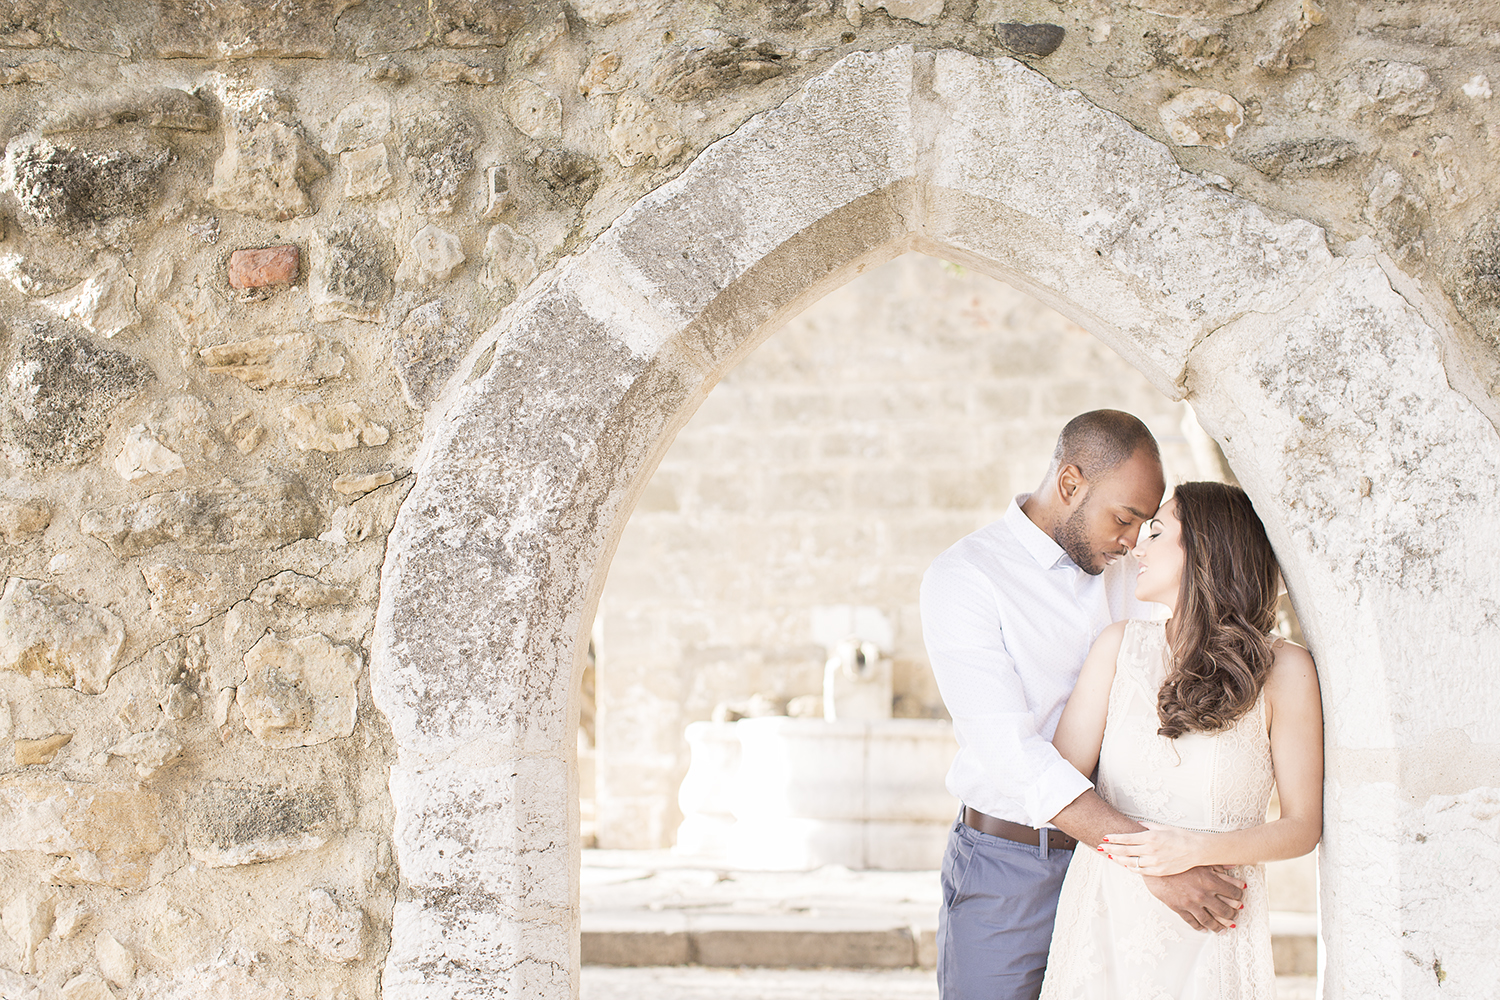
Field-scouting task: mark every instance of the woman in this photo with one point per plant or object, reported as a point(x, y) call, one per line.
point(1190, 720)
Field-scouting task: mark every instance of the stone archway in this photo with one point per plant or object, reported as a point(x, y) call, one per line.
point(1322, 376)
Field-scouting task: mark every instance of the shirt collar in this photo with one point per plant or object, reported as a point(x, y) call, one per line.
point(1047, 553)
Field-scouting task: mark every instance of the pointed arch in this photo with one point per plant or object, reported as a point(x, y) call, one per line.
point(1324, 384)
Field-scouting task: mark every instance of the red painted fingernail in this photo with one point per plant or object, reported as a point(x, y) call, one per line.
point(1099, 849)
point(1242, 906)
point(1110, 856)
point(1233, 926)
point(1247, 885)
point(1106, 840)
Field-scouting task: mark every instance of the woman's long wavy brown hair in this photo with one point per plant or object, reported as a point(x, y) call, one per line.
point(1225, 608)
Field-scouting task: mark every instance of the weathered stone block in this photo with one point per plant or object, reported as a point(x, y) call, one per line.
point(516, 920)
point(471, 23)
point(1300, 156)
point(40, 751)
point(439, 151)
point(164, 107)
point(32, 277)
point(349, 278)
point(354, 484)
point(56, 641)
point(20, 520)
point(59, 393)
point(264, 171)
point(143, 455)
point(149, 752)
point(367, 171)
point(360, 125)
point(86, 986)
point(262, 266)
point(270, 511)
point(1030, 39)
point(920, 11)
point(731, 61)
point(70, 192)
point(183, 29)
point(109, 832)
point(333, 932)
point(1476, 278)
point(301, 692)
point(532, 110)
point(182, 595)
point(233, 823)
point(300, 360)
point(497, 193)
point(429, 345)
point(104, 304)
point(438, 254)
point(116, 961)
point(1279, 53)
point(41, 71)
point(639, 135)
point(1388, 89)
point(301, 591)
point(28, 920)
point(509, 260)
point(315, 426)
point(572, 176)
point(1201, 117)
point(602, 75)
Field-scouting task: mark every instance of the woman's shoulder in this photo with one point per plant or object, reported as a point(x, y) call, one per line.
point(1127, 635)
point(1292, 668)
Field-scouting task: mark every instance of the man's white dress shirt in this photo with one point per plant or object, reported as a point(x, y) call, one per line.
point(1008, 619)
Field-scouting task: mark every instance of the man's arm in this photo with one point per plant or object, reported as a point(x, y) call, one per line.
point(1206, 898)
point(1018, 770)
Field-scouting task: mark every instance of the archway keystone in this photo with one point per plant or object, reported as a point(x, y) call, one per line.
point(1325, 386)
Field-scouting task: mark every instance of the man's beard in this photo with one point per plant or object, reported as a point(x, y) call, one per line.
point(1072, 535)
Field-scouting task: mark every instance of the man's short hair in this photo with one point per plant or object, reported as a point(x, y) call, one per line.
point(1099, 441)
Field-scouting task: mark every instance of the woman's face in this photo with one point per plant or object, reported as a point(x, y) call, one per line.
point(1158, 553)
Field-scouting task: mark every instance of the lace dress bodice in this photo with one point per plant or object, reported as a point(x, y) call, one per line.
point(1113, 940)
point(1201, 781)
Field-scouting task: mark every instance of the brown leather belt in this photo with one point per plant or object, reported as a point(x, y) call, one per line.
point(1015, 832)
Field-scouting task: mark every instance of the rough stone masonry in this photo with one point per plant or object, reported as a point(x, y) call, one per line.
point(253, 253)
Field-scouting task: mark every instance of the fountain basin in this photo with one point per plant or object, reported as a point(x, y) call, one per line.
point(796, 794)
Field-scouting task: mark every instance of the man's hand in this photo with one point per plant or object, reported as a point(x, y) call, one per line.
point(1207, 898)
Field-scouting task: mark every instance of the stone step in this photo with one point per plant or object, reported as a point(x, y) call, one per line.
point(660, 908)
point(659, 939)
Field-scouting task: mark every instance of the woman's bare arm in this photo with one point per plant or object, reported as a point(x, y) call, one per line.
point(1080, 730)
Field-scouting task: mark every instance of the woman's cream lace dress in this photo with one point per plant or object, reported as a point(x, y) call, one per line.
point(1113, 939)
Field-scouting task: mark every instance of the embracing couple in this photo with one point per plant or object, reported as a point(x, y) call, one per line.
point(1053, 655)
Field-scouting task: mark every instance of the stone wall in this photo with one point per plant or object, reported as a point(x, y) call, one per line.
point(890, 419)
point(206, 450)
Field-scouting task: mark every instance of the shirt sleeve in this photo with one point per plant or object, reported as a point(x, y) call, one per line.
point(1010, 766)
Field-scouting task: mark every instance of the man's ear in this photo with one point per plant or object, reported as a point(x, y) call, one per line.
point(1071, 485)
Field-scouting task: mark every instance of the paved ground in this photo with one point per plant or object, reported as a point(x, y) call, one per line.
point(698, 983)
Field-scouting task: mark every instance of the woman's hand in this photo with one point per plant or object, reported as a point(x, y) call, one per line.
point(1160, 850)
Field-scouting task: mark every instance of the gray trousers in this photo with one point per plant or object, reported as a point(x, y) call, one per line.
point(995, 923)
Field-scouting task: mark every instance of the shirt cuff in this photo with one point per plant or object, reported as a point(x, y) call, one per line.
point(1050, 794)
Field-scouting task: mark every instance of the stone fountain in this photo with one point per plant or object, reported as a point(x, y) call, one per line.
point(856, 788)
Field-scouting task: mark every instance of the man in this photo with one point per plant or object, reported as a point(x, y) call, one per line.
point(1008, 614)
